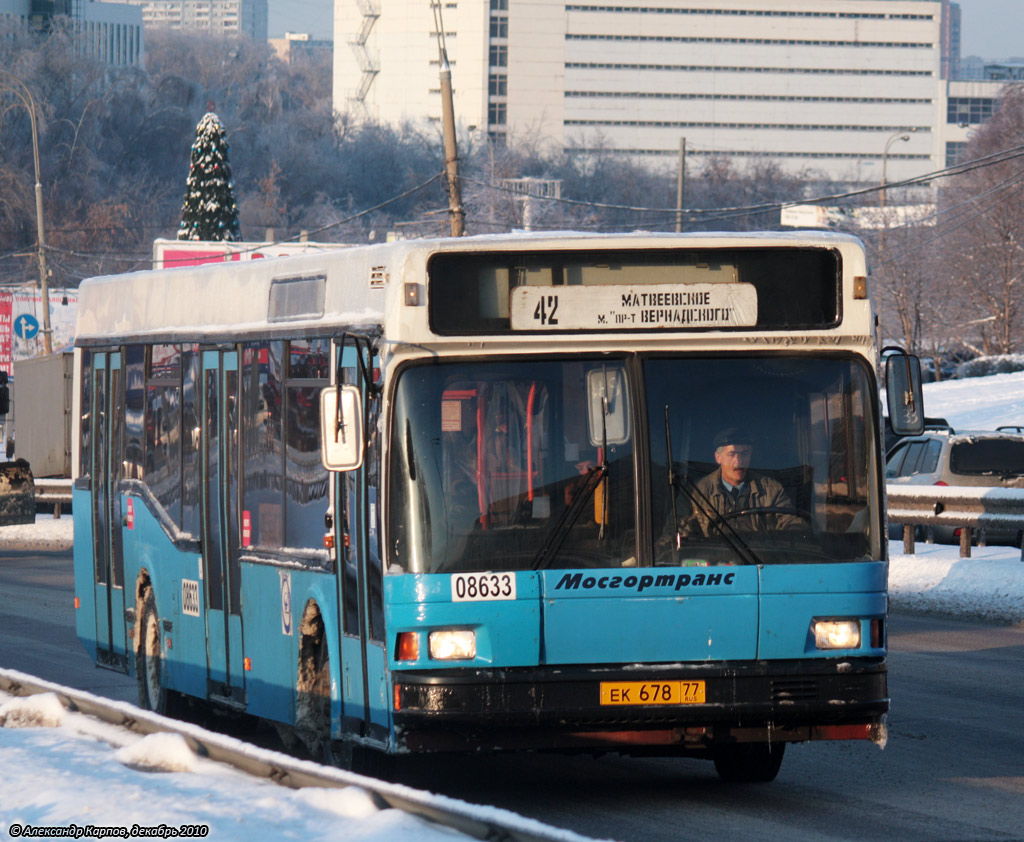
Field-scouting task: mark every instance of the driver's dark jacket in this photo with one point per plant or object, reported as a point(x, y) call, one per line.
point(760, 492)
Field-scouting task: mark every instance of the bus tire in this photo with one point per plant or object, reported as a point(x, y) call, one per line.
point(749, 762)
point(313, 688)
point(149, 658)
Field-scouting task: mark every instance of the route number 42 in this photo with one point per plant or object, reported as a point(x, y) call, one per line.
point(546, 309)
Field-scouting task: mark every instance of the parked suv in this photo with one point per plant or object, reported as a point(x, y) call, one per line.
point(982, 458)
point(930, 425)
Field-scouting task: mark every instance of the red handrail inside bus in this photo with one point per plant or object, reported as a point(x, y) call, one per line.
point(529, 442)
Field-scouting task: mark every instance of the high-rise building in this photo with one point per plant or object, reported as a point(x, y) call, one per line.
point(109, 31)
point(224, 17)
point(300, 46)
point(820, 86)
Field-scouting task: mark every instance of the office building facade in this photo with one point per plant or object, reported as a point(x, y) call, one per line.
point(820, 86)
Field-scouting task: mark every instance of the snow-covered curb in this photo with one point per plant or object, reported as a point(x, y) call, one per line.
point(66, 768)
point(47, 535)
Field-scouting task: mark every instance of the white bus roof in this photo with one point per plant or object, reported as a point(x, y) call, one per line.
point(360, 287)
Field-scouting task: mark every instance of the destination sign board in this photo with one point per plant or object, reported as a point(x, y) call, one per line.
point(633, 306)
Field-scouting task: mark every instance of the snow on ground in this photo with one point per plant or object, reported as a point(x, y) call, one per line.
point(990, 584)
point(987, 586)
point(977, 403)
point(47, 534)
point(63, 769)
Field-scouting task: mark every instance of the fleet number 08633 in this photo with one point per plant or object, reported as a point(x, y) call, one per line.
point(473, 587)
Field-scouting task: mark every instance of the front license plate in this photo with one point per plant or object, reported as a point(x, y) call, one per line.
point(652, 692)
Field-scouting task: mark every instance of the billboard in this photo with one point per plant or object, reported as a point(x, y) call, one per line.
point(21, 323)
point(891, 216)
point(169, 254)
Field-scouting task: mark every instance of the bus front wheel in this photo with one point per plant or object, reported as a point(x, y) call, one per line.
point(749, 762)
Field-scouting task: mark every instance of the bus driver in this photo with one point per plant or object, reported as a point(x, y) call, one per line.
point(734, 487)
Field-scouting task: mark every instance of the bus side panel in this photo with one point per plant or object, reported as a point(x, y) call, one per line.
point(650, 615)
point(793, 596)
point(273, 599)
point(85, 619)
point(178, 591)
point(380, 681)
point(350, 672)
point(507, 630)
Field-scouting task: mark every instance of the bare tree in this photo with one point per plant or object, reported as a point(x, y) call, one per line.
point(985, 251)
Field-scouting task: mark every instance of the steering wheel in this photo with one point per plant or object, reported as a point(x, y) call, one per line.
point(772, 510)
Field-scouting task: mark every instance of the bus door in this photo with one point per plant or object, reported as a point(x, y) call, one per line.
point(363, 662)
point(107, 471)
point(220, 532)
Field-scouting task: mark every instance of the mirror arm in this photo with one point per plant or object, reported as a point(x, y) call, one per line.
point(362, 346)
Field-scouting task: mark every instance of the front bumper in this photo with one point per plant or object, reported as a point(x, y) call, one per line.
point(559, 708)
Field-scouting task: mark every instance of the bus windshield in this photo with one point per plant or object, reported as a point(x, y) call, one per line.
point(524, 465)
point(771, 460)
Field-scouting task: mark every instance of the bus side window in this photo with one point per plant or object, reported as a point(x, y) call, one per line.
point(85, 448)
point(374, 555)
point(135, 406)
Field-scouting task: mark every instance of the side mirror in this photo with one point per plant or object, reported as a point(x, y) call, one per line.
point(607, 406)
point(341, 428)
point(903, 393)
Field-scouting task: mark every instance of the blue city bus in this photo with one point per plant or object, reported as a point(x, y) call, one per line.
point(439, 495)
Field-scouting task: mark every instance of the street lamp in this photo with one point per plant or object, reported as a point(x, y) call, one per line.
point(885, 159)
point(10, 82)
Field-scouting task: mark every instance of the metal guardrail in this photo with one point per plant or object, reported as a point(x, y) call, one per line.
point(968, 508)
point(53, 491)
point(486, 824)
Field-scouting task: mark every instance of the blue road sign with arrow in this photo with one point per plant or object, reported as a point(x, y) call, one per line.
point(26, 326)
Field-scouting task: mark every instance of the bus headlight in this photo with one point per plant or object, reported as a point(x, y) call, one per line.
point(837, 634)
point(453, 645)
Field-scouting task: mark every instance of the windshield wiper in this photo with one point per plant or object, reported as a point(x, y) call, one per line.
point(700, 501)
point(569, 516)
point(672, 488)
point(595, 476)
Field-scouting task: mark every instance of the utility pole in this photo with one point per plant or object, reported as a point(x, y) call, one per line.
point(680, 184)
point(456, 216)
point(25, 95)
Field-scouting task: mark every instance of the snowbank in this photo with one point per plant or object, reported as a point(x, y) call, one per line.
point(63, 768)
point(988, 586)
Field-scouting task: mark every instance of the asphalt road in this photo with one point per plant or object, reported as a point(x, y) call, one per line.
point(37, 626)
point(953, 768)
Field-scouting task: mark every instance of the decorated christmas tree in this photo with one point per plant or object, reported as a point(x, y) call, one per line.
point(209, 211)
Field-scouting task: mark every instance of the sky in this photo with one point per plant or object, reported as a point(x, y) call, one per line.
point(313, 16)
point(992, 29)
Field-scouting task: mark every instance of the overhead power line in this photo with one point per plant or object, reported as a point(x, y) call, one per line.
point(124, 258)
point(704, 215)
point(947, 172)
